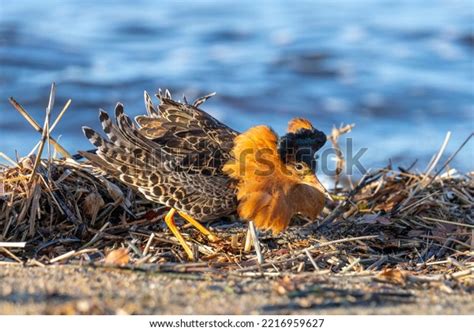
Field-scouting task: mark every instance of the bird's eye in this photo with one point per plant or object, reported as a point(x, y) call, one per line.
point(299, 166)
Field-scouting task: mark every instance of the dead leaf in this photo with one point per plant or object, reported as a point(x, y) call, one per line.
point(394, 276)
point(115, 192)
point(92, 204)
point(117, 257)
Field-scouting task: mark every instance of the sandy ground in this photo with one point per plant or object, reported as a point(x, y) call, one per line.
point(89, 290)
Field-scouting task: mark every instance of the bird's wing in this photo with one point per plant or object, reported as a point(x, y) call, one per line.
point(202, 197)
point(195, 137)
point(139, 162)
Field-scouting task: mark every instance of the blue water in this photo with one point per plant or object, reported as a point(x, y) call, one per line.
point(402, 71)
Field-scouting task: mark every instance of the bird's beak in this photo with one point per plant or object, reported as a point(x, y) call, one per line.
point(323, 189)
point(326, 193)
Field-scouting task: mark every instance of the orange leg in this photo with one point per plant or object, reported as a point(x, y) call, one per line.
point(169, 220)
point(211, 236)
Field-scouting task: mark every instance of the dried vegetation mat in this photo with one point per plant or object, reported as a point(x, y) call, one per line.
point(393, 225)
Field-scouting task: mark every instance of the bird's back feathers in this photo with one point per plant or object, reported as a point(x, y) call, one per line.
point(198, 140)
point(152, 167)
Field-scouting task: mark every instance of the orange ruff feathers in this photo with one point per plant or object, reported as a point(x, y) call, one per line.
point(270, 192)
point(299, 123)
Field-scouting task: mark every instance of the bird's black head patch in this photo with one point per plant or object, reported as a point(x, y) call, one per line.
point(300, 146)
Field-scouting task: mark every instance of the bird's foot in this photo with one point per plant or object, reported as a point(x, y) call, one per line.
point(169, 220)
point(210, 236)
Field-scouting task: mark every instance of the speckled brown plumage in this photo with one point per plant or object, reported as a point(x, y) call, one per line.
point(174, 158)
point(182, 157)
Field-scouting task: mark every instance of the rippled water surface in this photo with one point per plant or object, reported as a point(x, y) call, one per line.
point(402, 71)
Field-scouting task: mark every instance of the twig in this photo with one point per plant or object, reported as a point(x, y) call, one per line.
point(341, 208)
point(63, 256)
point(45, 132)
point(60, 116)
point(148, 244)
point(450, 158)
point(314, 247)
point(437, 156)
point(97, 235)
point(13, 256)
point(13, 244)
point(350, 266)
point(340, 162)
point(248, 241)
point(13, 163)
point(447, 222)
point(256, 242)
point(37, 127)
point(315, 266)
point(72, 253)
point(462, 273)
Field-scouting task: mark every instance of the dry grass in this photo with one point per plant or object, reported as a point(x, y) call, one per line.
point(395, 225)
